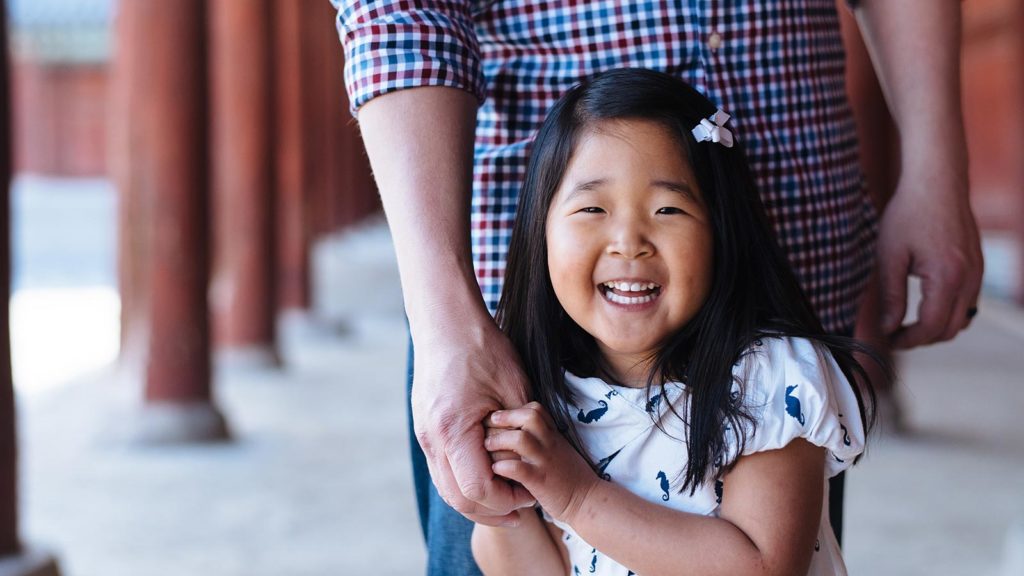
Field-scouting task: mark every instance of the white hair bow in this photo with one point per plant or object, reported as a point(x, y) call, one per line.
point(716, 132)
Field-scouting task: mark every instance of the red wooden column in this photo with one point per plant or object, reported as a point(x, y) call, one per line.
point(243, 294)
point(292, 155)
point(323, 176)
point(1018, 72)
point(162, 174)
point(15, 559)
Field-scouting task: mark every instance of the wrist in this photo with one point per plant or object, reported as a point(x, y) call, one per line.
point(581, 505)
point(442, 299)
point(936, 174)
point(938, 149)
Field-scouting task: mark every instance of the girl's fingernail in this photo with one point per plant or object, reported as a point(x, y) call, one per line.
point(510, 523)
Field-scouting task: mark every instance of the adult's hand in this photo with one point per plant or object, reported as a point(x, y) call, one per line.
point(928, 231)
point(460, 377)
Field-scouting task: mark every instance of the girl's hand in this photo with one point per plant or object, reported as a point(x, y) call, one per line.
point(547, 465)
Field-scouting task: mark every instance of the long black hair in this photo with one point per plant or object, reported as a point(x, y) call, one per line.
point(754, 293)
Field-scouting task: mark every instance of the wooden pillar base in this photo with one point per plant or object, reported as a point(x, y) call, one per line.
point(168, 423)
point(30, 562)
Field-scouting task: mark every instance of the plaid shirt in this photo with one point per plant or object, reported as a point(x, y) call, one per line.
point(776, 67)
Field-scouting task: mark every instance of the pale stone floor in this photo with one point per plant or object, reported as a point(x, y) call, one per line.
point(317, 479)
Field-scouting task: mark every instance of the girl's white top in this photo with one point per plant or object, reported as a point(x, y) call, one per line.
point(791, 387)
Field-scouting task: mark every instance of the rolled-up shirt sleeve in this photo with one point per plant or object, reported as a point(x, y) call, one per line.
point(394, 44)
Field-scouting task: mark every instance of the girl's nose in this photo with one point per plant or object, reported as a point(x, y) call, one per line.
point(629, 241)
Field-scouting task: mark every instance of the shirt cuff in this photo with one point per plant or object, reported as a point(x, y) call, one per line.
point(392, 45)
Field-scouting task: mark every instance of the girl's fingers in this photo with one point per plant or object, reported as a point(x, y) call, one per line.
point(530, 417)
point(521, 442)
point(515, 470)
point(500, 455)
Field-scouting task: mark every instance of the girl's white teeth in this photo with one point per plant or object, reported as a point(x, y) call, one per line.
point(628, 299)
point(634, 287)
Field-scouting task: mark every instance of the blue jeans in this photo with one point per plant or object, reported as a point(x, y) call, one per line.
point(447, 532)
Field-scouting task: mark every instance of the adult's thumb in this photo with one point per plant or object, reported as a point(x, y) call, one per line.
point(892, 278)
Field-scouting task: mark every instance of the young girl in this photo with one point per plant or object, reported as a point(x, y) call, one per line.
point(690, 407)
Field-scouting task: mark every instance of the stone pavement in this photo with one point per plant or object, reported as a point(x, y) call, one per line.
point(317, 480)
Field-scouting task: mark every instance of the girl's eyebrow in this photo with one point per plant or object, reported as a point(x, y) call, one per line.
point(583, 187)
point(681, 188)
point(588, 185)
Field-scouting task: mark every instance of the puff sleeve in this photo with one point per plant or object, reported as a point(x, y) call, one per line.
point(795, 389)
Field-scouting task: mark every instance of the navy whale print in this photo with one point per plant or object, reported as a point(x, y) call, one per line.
point(793, 405)
point(664, 485)
point(594, 415)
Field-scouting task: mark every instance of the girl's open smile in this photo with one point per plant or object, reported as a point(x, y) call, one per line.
point(630, 293)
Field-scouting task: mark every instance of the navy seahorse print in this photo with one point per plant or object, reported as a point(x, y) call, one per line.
point(653, 403)
point(594, 415)
point(718, 491)
point(603, 463)
point(664, 485)
point(793, 405)
point(593, 561)
point(846, 433)
point(576, 570)
point(611, 393)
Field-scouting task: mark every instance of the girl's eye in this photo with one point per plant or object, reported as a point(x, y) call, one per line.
point(592, 210)
point(669, 210)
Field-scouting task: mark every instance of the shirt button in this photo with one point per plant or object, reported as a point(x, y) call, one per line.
point(714, 40)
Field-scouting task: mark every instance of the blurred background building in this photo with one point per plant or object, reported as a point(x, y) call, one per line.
point(206, 329)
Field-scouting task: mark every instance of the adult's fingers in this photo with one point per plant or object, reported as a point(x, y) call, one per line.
point(469, 509)
point(892, 277)
point(937, 300)
point(471, 468)
point(507, 521)
point(968, 292)
point(958, 319)
point(448, 488)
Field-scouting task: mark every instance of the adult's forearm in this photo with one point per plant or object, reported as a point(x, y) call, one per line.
point(915, 48)
point(420, 145)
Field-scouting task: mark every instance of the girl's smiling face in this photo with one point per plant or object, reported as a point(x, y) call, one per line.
point(629, 242)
